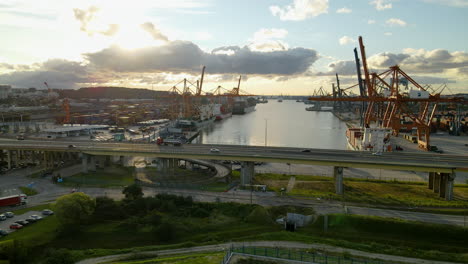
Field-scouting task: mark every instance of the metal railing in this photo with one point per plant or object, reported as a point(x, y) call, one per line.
point(295, 255)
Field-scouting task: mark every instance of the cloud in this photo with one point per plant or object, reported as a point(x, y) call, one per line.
point(57, 73)
point(388, 33)
point(266, 33)
point(340, 67)
point(421, 79)
point(300, 9)
point(454, 3)
point(184, 56)
point(85, 16)
point(371, 21)
point(396, 22)
point(421, 61)
point(267, 40)
point(386, 59)
point(344, 10)
point(345, 40)
point(155, 33)
point(381, 4)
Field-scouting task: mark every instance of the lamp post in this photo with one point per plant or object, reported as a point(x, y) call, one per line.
point(266, 131)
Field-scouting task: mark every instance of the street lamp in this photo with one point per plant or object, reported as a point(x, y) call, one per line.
point(266, 131)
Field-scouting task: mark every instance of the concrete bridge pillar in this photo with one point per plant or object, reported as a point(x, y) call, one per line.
point(431, 180)
point(449, 186)
point(107, 161)
point(442, 184)
point(247, 172)
point(436, 182)
point(84, 163)
point(338, 175)
point(92, 163)
point(9, 158)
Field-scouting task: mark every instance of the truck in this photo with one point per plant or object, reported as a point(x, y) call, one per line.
point(170, 141)
point(13, 200)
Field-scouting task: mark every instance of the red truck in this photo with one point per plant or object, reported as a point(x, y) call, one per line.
point(13, 200)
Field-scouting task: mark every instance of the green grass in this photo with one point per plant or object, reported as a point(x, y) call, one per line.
point(103, 178)
point(33, 208)
point(384, 235)
point(196, 258)
point(28, 191)
point(375, 192)
point(36, 234)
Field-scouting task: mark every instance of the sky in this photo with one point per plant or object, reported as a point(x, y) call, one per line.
point(288, 47)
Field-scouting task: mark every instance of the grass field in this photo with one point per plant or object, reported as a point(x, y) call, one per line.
point(228, 222)
point(28, 191)
point(107, 177)
point(198, 258)
point(33, 208)
point(374, 192)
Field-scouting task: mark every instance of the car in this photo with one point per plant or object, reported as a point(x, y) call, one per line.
point(3, 233)
point(9, 214)
point(31, 219)
point(71, 146)
point(305, 150)
point(16, 226)
point(22, 222)
point(47, 212)
point(2, 217)
point(377, 153)
point(36, 217)
point(214, 150)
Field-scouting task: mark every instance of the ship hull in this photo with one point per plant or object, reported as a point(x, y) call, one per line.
point(223, 116)
point(243, 110)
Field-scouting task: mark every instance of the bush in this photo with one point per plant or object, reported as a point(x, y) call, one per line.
point(165, 232)
point(259, 216)
point(133, 192)
point(107, 209)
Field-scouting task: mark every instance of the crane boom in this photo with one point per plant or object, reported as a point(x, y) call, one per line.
point(201, 81)
point(366, 70)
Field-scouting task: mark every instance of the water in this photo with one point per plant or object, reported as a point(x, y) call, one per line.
point(285, 124)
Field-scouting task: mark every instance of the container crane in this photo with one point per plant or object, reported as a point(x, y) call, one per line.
point(387, 106)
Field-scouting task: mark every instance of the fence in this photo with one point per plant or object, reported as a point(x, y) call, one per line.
point(295, 255)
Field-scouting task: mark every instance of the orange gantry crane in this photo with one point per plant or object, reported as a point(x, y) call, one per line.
point(390, 105)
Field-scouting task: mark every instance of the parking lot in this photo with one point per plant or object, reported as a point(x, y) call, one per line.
point(5, 225)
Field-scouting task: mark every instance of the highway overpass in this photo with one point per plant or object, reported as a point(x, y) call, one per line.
point(442, 168)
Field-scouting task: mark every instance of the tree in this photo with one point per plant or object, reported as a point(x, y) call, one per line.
point(74, 209)
point(133, 192)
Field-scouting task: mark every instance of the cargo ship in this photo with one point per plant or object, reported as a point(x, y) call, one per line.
point(376, 140)
point(244, 106)
point(222, 112)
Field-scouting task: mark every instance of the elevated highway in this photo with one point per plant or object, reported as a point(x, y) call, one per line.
point(414, 161)
point(442, 168)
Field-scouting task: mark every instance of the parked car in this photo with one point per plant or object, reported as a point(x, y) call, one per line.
point(9, 214)
point(31, 220)
point(16, 226)
point(47, 212)
point(22, 222)
point(2, 217)
point(3, 233)
point(36, 217)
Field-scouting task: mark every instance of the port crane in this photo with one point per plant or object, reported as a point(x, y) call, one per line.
point(387, 105)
